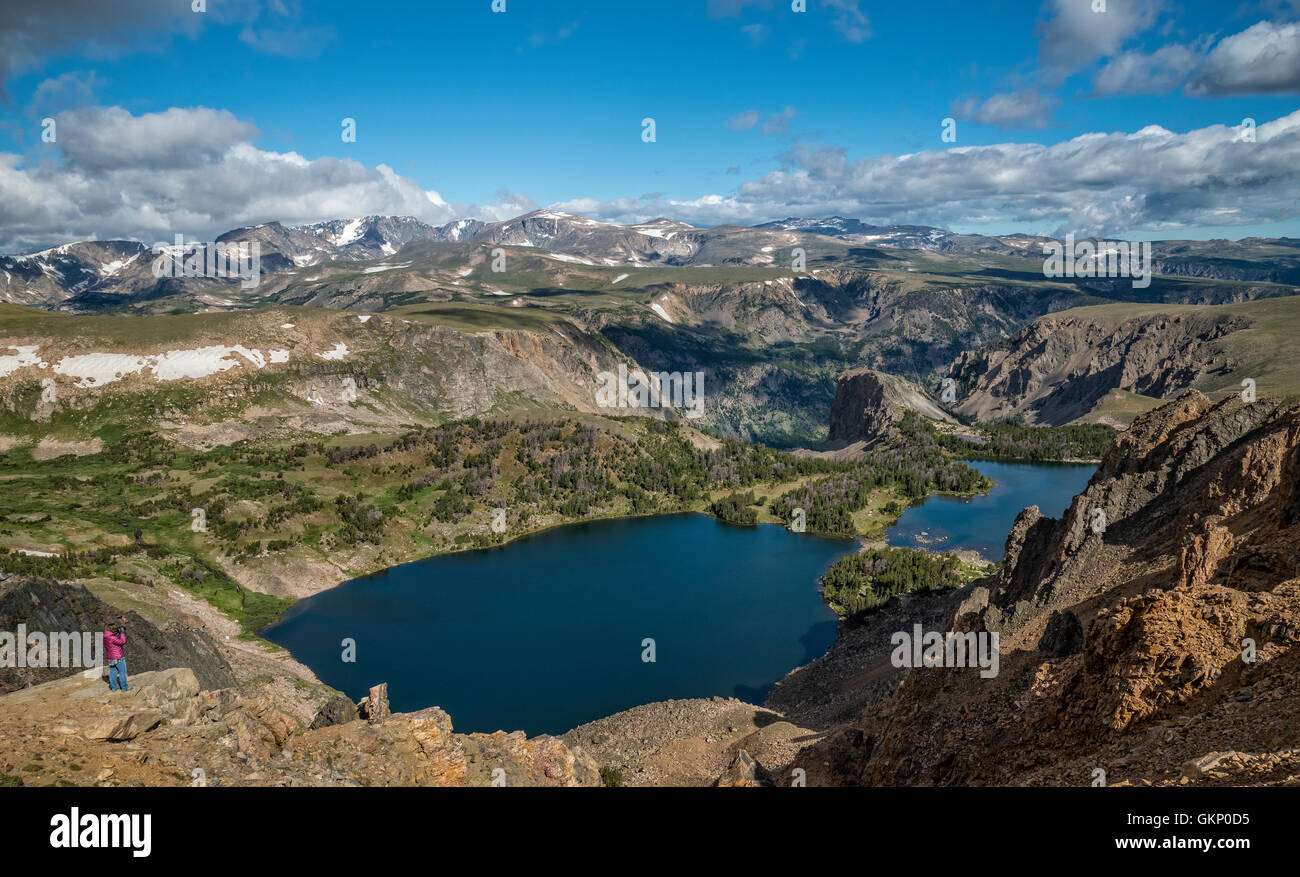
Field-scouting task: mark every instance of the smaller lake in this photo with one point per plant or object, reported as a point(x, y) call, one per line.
point(545, 633)
point(982, 522)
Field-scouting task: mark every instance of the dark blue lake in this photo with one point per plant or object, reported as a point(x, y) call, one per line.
point(545, 633)
point(982, 522)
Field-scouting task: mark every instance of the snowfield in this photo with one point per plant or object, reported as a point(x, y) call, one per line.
point(97, 369)
point(26, 356)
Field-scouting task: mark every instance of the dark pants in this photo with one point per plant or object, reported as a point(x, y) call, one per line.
point(116, 672)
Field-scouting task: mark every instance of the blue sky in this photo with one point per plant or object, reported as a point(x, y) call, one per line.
point(760, 112)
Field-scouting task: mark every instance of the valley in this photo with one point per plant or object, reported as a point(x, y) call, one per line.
point(215, 459)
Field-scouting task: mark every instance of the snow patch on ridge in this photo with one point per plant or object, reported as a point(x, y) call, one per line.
point(26, 356)
point(98, 369)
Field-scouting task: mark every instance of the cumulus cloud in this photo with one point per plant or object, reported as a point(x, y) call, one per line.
point(96, 139)
point(1158, 72)
point(75, 88)
point(1028, 108)
point(1098, 184)
point(1073, 35)
point(1263, 59)
point(193, 171)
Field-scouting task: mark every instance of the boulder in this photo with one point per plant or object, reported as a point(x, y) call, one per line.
point(338, 711)
point(744, 772)
point(121, 726)
point(374, 707)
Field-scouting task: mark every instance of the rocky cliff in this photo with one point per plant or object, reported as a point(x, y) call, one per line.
point(868, 404)
point(191, 719)
point(1159, 647)
point(47, 606)
point(1059, 368)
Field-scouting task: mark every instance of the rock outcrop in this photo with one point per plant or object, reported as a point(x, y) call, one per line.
point(48, 606)
point(869, 404)
point(1058, 368)
point(1138, 646)
point(165, 731)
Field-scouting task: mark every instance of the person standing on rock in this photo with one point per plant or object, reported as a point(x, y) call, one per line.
point(113, 643)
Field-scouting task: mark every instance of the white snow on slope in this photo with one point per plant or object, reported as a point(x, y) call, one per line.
point(659, 309)
point(339, 352)
point(619, 278)
point(203, 361)
point(351, 231)
point(96, 369)
point(26, 356)
point(108, 269)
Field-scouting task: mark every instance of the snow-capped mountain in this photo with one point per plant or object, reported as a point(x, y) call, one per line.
point(371, 237)
point(910, 237)
point(64, 271)
point(90, 275)
point(661, 241)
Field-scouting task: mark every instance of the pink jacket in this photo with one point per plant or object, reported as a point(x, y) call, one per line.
point(113, 643)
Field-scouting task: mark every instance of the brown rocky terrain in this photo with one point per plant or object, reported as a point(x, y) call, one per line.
point(1058, 368)
point(1162, 650)
point(237, 710)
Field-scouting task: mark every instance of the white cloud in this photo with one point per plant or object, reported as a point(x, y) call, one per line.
point(1107, 184)
point(1073, 35)
point(1099, 183)
point(103, 138)
point(1263, 59)
point(192, 171)
point(1018, 109)
point(1158, 72)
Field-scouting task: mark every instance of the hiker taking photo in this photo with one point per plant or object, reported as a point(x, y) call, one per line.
point(113, 643)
